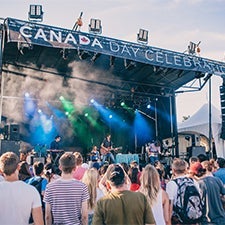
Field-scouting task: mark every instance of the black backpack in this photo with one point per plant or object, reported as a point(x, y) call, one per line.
point(188, 205)
point(38, 185)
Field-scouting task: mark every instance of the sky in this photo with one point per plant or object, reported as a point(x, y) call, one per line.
point(172, 24)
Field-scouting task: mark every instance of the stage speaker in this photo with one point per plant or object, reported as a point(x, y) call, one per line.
point(10, 146)
point(222, 103)
point(14, 132)
point(195, 151)
point(6, 132)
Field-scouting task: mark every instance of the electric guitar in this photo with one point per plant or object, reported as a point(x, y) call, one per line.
point(104, 150)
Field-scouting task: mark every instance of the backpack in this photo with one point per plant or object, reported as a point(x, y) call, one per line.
point(188, 205)
point(37, 184)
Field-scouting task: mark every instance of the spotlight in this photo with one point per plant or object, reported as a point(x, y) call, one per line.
point(95, 26)
point(61, 98)
point(148, 106)
point(27, 95)
point(193, 48)
point(67, 113)
point(122, 103)
point(110, 116)
point(39, 111)
point(92, 100)
point(86, 114)
point(142, 36)
point(35, 14)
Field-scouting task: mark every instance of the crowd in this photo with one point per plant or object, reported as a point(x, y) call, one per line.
point(115, 194)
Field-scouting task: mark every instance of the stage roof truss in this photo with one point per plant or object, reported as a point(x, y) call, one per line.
point(120, 66)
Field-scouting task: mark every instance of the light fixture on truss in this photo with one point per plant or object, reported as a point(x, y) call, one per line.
point(35, 14)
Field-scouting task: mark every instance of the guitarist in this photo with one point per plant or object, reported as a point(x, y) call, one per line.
point(106, 147)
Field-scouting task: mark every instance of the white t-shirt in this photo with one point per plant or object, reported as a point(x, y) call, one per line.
point(1, 178)
point(17, 199)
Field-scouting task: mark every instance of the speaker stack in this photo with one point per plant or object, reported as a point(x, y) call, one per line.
point(12, 132)
point(11, 141)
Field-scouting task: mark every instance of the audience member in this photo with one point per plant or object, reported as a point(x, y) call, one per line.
point(156, 196)
point(24, 171)
point(121, 206)
point(66, 198)
point(133, 175)
point(193, 159)
point(51, 172)
point(220, 173)
point(90, 178)
point(17, 198)
point(79, 172)
point(212, 190)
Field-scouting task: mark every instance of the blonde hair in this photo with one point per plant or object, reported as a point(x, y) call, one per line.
point(179, 165)
point(150, 183)
point(90, 178)
point(79, 158)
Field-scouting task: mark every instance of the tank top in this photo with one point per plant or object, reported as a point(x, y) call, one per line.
point(157, 209)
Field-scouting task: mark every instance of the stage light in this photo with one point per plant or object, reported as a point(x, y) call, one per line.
point(67, 113)
point(61, 98)
point(148, 106)
point(35, 14)
point(92, 100)
point(122, 103)
point(142, 36)
point(86, 114)
point(39, 111)
point(95, 26)
point(193, 48)
point(110, 116)
point(27, 95)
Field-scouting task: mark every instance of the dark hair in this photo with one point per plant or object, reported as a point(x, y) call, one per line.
point(221, 162)
point(133, 175)
point(116, 175)
point(38, 168)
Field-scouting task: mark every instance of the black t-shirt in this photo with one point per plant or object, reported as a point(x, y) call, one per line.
point(55, 145)
point(106, 143)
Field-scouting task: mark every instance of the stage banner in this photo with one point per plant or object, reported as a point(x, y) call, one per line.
point(49, 36)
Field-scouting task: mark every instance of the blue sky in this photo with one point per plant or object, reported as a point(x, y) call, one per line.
point(171, 24)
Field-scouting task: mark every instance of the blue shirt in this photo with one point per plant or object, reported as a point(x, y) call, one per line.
point(220, 173)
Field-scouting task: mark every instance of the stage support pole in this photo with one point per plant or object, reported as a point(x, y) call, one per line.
point(173, 122)
point(210, 118)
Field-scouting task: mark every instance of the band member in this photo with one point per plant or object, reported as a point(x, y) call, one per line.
point(106, 148)
point(154, 150)
point(56, 144)
point(95, 158)
point(56, 150)
point(95, 155)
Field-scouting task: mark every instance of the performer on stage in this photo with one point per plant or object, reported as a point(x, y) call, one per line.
point(106, 148)
point(94, 155)
point(154, 151)
point(56, 144)
point(95, 158)
point(56, 150)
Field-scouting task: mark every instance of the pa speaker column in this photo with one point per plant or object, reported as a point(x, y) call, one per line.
point(222, 103)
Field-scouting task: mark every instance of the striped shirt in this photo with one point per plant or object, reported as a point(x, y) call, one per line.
point(65, 198)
